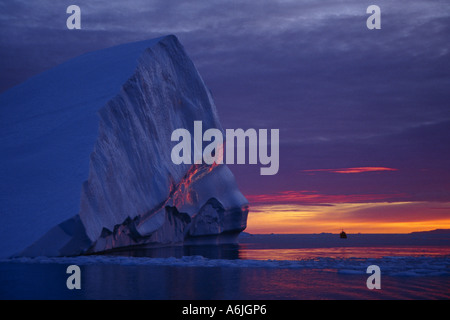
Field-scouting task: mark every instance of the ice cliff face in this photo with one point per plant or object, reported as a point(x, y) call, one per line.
point(132, 194)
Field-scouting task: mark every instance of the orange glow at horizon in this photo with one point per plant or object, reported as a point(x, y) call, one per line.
point(382, 217)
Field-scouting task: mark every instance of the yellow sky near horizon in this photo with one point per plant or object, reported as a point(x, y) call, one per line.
point(378, 217)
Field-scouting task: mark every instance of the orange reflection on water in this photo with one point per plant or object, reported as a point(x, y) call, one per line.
point(246, 252)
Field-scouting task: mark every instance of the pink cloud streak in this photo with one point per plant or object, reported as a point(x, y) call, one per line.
point(313, 197)
point(352, 170)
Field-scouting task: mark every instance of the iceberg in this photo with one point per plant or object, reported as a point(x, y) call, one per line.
point(86, 157)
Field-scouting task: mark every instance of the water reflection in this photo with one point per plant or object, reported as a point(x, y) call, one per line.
point(236, 280)
point(254, 252)
point(223, 251)
point(247, 252)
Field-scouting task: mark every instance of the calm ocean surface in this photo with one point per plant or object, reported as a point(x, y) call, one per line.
point(245, 271)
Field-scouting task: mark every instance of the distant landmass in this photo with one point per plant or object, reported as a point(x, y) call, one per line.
point(435, 231)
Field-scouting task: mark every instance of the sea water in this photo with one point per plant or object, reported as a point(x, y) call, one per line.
point(249, 270)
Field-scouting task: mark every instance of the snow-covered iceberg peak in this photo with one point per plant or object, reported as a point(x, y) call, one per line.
point(132, 176)
point(132, 193)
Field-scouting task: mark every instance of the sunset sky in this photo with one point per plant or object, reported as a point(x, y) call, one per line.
point(364, 115)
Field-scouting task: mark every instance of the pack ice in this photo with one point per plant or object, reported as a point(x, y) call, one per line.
point(85, 160)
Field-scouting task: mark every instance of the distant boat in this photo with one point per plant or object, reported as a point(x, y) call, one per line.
point(343, 235)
